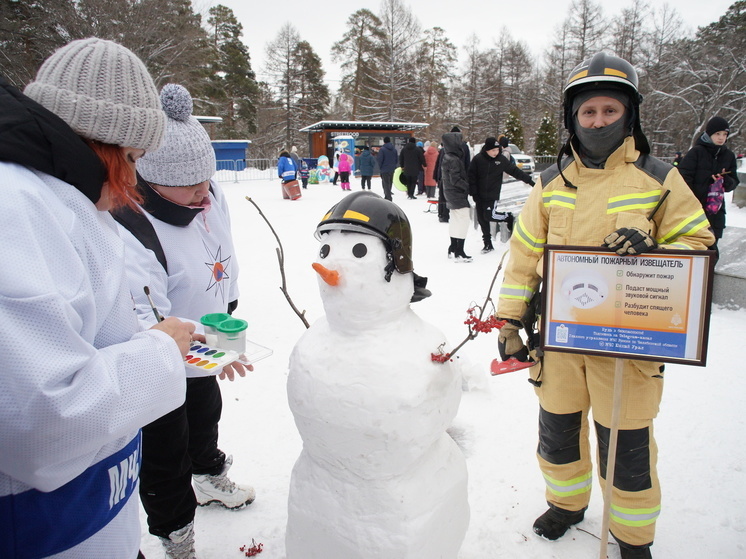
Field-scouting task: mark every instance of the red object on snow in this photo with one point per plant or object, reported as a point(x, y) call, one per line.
point(291, 190)
point(509, 366)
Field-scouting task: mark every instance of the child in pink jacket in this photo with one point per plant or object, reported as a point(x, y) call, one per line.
point(345, 166)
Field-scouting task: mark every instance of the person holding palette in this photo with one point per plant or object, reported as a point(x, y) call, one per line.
point(79, 376)
point(179, 245)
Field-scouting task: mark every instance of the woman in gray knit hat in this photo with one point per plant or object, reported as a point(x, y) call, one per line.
point(186, 213)
point(80, 377)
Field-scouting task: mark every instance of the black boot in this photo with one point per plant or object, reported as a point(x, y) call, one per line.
point(461, 256)
point(555, 522)
point(487, 246)
point(452, 248)
point(629, 551)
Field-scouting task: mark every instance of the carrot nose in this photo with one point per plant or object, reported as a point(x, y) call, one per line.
point(329, 276)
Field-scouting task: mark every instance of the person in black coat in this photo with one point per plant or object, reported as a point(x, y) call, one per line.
point(708, 161)
point(443, 213)
point(411, 160)
point(486, 180)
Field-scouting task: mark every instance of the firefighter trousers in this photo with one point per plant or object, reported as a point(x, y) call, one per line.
point(574, 386)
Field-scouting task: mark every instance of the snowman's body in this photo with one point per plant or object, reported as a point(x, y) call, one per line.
point(378, 475)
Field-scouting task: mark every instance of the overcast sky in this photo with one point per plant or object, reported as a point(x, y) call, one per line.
point(532, 21)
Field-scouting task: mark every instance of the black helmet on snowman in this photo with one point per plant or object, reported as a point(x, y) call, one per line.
point(368, 213)
point(604, 71)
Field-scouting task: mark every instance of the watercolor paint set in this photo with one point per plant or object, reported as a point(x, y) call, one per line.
point(203, 360)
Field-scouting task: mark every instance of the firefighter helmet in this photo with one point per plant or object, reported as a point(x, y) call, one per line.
point(366, 212)
point(604, 71)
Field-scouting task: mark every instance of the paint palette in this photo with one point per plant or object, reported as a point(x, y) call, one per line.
point(253, 353)
point(203, 361)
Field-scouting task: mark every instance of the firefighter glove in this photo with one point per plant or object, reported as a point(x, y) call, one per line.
point(509, 342)
point(630, 241)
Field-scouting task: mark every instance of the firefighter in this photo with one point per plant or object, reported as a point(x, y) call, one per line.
point(600, 193)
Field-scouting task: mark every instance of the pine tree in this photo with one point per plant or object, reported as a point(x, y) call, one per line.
point(358, 51)
point(234, 89)
point(313, 94)
point(546, 136)
point(514, 129)
point(436, 59)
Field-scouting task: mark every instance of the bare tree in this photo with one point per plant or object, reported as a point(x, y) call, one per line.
point(284, 77)
point(397, 82)
point(628, 31)
point(586, 28)
point(475, 93)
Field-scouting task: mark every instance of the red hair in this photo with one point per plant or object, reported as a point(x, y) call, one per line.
point(120, 175)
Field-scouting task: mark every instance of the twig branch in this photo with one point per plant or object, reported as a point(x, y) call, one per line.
point(488, 299)
point(281, 261)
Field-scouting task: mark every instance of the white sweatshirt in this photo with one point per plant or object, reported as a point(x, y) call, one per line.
point(78, 376)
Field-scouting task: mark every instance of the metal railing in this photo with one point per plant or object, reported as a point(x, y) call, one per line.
point(245, 169)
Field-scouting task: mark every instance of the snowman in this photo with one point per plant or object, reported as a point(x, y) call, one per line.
point(378, 475)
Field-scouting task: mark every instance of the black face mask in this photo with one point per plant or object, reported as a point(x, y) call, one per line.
point(597, 144)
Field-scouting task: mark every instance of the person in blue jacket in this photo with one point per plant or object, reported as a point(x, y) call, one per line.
point(286, 168)
point(388, 161)
point(367, 165)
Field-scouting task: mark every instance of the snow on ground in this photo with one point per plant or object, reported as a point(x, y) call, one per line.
point(700, 429)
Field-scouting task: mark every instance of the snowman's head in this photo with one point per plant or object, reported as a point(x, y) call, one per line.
point(366, 212)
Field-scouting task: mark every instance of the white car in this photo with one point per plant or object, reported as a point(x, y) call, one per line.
point(525, 162)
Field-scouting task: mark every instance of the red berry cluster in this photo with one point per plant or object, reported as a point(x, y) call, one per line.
point(255, 549)
point(440, 357)
point(485, 326)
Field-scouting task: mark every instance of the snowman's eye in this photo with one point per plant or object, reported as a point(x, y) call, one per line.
point(324, 252)
point(359, 250)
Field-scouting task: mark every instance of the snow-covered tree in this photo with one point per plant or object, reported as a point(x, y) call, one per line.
point(546, 136)
point(514, 129)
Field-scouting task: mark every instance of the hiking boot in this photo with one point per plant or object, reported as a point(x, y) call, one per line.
point(629, 551)
point(221, 490)
point(555, 522)
point(180, 543)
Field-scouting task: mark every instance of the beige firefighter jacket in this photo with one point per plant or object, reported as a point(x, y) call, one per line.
point(622, 194)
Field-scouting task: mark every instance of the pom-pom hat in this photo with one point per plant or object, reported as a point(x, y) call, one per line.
point(103, 92)
point(186, 157)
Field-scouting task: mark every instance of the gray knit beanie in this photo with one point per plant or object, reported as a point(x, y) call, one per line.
point(186, 157)
point(103, 92)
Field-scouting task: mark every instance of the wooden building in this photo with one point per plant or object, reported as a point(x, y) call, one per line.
point(321, 134)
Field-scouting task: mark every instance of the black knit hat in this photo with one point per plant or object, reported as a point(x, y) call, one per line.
point(490, 143)
point(717, 124)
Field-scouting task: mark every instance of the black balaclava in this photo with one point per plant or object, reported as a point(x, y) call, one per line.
point(596, 144)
